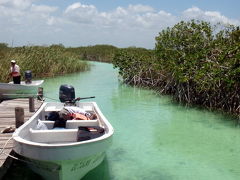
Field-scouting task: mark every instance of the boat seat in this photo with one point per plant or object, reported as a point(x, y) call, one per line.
point(53, 135)
point(73, 124)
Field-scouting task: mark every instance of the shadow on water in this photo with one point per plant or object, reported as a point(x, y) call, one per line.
point(19, 170)
point(100, 172)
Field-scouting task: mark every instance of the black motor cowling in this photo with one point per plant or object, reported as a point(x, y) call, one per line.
point(28, 77)
point(66, 93)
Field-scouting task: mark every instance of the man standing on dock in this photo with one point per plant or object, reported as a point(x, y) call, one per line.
point(15, 72)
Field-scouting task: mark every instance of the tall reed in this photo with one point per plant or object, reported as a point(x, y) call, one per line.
point(42, 61)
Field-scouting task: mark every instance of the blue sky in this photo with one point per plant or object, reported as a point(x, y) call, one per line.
point(121, 23)
point(226, 7)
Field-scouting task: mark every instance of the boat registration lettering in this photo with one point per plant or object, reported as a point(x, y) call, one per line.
point(80, 164)
point(86, 162)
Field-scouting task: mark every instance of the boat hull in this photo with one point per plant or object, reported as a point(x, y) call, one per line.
point(63, 153)
point(23, 90)
point(64, 170)
point(63, 163)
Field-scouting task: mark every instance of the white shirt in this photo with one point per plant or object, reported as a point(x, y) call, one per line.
point(15, 70)
point(74, 109)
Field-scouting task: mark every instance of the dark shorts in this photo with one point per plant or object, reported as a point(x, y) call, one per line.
point(17, 80)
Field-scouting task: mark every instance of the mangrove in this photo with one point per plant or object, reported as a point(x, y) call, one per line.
point(193, 61)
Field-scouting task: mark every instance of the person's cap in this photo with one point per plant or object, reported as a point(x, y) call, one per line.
point(13, 61)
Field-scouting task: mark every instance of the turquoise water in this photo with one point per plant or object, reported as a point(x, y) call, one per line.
point(155, 139)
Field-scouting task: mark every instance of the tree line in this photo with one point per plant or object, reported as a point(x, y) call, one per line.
point(193, 61)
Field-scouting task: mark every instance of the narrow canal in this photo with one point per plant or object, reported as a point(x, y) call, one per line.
point(155, 139)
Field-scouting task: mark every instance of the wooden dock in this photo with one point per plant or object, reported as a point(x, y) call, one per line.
point(7, 119)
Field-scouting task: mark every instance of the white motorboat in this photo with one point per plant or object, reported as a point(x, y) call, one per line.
point(23, 90)
point(57, 153)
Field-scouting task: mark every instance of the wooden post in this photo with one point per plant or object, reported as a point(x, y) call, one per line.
point(19, 116)
point(40, 94)
point(31, 104)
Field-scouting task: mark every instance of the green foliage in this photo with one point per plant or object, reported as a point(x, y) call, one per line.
point(134, 64)
point(183, 48)
point(42, 61)
point(102, 53)
point(3, 46)
point(195, 62)
point(206, 60)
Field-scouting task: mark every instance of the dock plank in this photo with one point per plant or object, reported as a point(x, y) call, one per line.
point(7, 119)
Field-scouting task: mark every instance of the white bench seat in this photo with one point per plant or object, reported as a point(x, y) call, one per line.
point(68, 134)
point(53, 135)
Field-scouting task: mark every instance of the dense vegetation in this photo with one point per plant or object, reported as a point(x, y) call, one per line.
point(195, 62)
point(42, 61)
point(101, 53)
point(52, 60)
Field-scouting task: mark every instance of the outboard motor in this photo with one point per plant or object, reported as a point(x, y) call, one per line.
point(28, 77)
point(66, 93)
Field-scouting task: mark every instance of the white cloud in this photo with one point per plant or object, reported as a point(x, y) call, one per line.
point(211, 16)
point(9, 12)
point(80, 13)
point(19, 4)
point(139, 8)
point(81, 24)
point(73, 7)
point(157, 20)
point(131, 17)
point(119, 12)
point(43, 8)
